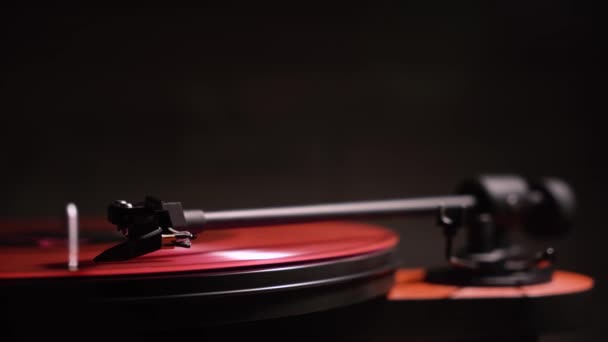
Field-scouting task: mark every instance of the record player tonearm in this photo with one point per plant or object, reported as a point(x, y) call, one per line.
point(489, 207)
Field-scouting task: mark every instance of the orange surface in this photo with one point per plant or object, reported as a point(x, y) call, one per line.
point(410, 285)
point(213, 250)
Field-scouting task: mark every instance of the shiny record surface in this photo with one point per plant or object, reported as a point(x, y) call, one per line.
point(229, 275)
point(42, 255)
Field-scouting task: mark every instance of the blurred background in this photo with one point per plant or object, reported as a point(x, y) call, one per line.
point(225, 108)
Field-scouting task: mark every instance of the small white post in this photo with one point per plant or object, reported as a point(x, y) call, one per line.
point(72, 222)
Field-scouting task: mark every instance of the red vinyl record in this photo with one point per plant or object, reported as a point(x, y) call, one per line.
point(45, 255)
point(227, 276)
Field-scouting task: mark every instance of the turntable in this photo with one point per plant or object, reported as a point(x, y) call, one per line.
point(155, 269)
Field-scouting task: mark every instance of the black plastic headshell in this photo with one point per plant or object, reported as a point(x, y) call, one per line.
point(142, 218)
point(148, 226)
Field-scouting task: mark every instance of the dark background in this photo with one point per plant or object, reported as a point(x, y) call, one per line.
point(239, 107)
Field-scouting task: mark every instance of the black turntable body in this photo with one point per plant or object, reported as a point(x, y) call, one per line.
point(312, 271)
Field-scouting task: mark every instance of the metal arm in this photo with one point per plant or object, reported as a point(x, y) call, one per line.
point(198, 220)
point(154, 224)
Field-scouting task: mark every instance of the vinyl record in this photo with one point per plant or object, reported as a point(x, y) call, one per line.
point(227, 276)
